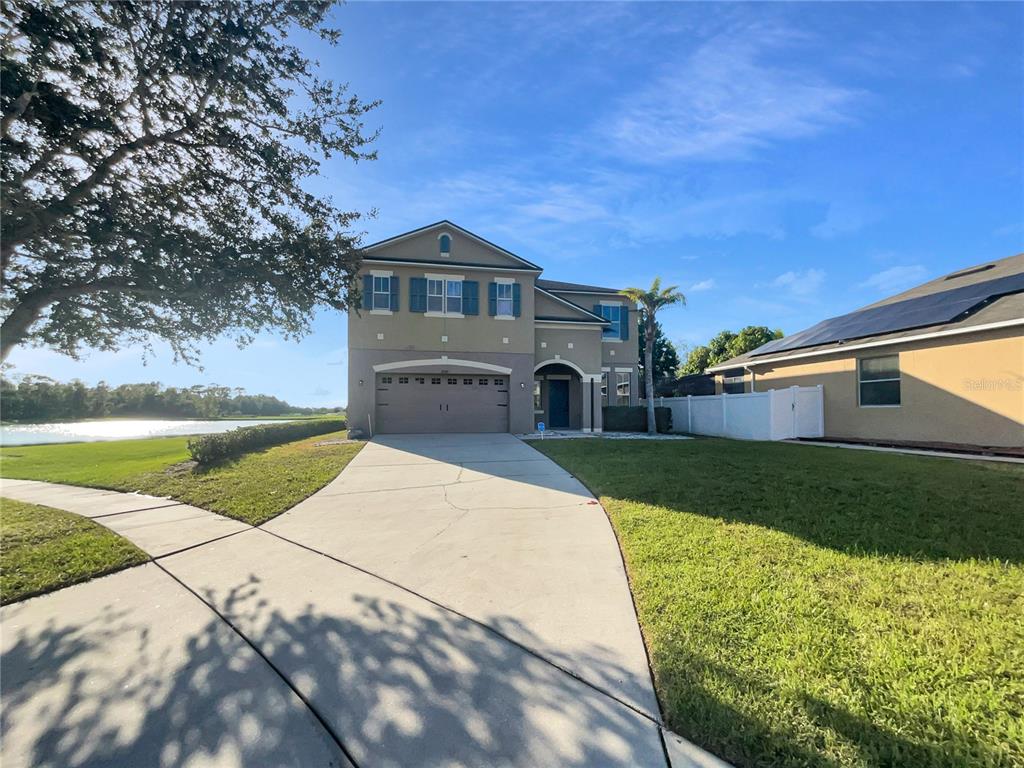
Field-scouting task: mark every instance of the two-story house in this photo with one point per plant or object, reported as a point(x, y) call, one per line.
point(456, 334)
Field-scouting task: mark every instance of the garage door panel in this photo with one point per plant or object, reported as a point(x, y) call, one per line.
point(437, 402)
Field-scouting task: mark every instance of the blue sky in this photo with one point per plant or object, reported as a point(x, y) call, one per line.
point(780, 163)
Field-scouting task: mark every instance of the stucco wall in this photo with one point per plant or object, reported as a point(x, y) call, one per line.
point(545, 306)
point(965, 389)
point(586, 346)
point(425, 247)
point(418, 331)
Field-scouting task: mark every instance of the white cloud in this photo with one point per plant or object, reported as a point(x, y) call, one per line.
point(841, 219)
point(724, 101)
point(896, 279)
point(803, 284)
point(702, 285)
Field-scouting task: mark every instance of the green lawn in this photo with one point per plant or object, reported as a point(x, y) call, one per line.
point(252, 488)
point(42, 549)
point(806, 606)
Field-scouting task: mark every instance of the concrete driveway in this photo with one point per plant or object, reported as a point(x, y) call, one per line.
point(453, 600)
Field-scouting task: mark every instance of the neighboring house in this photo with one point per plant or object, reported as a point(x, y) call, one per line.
point(940, 363)
point(456, 334)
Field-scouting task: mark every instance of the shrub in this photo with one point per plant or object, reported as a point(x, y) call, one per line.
point(633, 418)
point(211, 448)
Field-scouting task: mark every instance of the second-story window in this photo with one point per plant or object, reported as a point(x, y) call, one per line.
point(445, 245)
point(453, 302)
point(381, 292)
point(504, 293)
point(610, 312)
point(435, 295)
point(444, 296)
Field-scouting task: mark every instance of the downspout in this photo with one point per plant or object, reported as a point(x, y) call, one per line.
point(753, 377)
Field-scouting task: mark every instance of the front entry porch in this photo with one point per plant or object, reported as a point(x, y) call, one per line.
point(565, 398)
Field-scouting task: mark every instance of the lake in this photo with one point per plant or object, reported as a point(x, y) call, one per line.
point(117, 429)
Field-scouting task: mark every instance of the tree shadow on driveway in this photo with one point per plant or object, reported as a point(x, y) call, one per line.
point(397, 685)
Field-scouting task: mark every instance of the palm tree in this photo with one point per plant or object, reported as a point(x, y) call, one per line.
point(650, 302)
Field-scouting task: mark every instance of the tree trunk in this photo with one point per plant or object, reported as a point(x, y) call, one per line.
point(652, 427)
point(17, 324)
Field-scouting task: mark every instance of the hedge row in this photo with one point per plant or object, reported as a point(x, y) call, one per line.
point(210, 448)
point(633, 418)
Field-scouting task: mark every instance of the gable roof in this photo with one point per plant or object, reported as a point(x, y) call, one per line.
point(586, 316)
point(562, 287)
point(445, 223)
point(988, 295)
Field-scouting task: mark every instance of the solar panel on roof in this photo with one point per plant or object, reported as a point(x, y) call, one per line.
point(931, 309)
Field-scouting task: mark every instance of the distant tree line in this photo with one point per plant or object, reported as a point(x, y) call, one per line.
point(39, 398)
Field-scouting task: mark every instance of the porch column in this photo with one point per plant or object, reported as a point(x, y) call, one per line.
point(587, 392)
point(595, 397)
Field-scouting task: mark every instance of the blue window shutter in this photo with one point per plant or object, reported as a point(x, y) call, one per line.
point(394, 281)
point(367, 291)
point(470, 297)
point(492, 299)
point(417, 294)
point(624, 323)
point(515, 299)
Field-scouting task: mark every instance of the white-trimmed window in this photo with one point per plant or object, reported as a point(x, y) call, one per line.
point(504, 296)
point(444, 244)
point(435, 295)
point(453, 300)
point(538, 407)
point(878, 381)
point(444, 296)
point(381, 292)
point(622, 389)
point(612, 313)
point(604, 388)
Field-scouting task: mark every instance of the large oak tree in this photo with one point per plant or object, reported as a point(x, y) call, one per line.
point(154, 161)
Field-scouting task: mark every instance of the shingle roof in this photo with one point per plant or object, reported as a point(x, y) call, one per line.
point(558, 285)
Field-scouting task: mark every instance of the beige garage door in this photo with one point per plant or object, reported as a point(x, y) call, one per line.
point(441, 402)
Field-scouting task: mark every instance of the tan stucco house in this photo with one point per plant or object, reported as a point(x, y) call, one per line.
point(939, 363)
point(456, 334)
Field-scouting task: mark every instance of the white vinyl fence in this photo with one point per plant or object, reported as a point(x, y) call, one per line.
point(778, 414)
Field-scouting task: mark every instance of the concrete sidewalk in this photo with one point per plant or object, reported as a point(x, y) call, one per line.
point(155, 525)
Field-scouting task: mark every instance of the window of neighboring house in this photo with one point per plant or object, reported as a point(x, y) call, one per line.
point(467, 382)
point(622, 388)
point(482, 382)
point(435, 380)
point(879, 380)
point(381, 292)
point(504, 294)
point(537, 406)
point(610, 312)
point(403, 379)
point(385, 379)
point(445, 245)
point(604, 389)
point(453, 380)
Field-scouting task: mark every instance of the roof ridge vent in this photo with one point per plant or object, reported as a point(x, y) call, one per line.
point(971, 271)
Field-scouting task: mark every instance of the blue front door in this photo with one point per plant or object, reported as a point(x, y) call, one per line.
point(558, 403)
